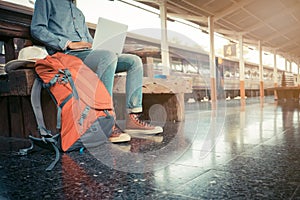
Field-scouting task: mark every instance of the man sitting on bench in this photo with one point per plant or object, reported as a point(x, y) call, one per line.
point(60, 26)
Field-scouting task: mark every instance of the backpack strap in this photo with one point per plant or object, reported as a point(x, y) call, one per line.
point(69, 77)
point(37, 108)
point(66, 78)
point(59, 109)
point(47, 141)
point(53, 142)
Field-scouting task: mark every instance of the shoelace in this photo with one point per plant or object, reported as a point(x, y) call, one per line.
point(116, 130)
point(137, 118)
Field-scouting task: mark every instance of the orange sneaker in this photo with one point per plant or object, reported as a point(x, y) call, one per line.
point(118, 135)
point(135, 125)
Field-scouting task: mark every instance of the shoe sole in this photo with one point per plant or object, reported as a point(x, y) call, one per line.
point(154, 131)
point(121, 138)
point(153, 138)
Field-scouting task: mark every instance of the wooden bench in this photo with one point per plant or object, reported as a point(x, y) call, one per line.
point(17, 117)
point(288, 90)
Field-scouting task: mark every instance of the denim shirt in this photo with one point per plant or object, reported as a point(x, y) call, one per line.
point(56, 22)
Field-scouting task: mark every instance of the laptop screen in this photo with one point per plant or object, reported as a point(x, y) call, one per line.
point(110, 35)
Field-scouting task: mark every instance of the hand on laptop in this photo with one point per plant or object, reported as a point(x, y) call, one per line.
point(79, 45)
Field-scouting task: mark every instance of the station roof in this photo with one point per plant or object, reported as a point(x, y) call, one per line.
point(276, 23)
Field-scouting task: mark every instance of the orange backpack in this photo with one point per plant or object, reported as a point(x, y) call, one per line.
point(85, 114)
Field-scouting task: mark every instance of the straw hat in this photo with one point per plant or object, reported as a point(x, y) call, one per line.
point(27, 57)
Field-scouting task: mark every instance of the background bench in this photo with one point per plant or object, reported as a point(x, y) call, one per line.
point(288, 90)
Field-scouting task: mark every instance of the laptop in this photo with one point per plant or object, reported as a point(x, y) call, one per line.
point(110, 35)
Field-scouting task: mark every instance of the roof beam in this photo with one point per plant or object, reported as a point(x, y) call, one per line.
point(286, 44)
point(148, 1)
point(230, 10)
point(182, 9)
point(189, 17)
point(278, 34)
point(268, 20)
point(199, 8)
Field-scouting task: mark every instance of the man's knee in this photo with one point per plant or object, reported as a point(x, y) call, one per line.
point(101, 58)
point(104, 54)
point(136, 59)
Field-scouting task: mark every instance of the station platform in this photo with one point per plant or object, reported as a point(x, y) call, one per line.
point(229, 150)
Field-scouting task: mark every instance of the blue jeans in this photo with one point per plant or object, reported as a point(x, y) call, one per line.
point(105, 64)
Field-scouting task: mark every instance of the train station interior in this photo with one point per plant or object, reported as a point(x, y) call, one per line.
point(230, 115)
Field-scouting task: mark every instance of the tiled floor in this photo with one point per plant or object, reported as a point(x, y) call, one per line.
point(232, 150)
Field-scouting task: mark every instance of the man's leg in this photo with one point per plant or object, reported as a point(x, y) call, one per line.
point(132, 64)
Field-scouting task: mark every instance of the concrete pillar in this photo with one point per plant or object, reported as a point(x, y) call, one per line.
point(261, 71)
point(164, 39)
point(298, 71)
point(275, 75)
point(212, 60)
point(242, 67)
point(275, 70)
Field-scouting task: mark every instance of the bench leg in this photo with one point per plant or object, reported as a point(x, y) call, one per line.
point(173, 105)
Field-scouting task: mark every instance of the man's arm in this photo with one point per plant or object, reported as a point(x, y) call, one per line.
point(39, 27)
